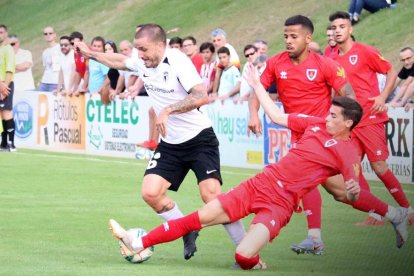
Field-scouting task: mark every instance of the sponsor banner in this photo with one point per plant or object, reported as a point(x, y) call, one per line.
point(25, 118)
point(61, 122)
point(114, 129)
point(230, 123)
point(276, 140)
point(399, 133)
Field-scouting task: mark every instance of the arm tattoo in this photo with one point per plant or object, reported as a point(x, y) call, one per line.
point(190, 102)
point(347, 91)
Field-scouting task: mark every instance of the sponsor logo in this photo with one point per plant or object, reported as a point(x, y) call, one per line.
point(95, 136)
point(23, 118)
point(145, 75)
point(283, 75)
point(209, 172)
point(165, 76)
point(311, 74)
point(273, 222)
point(340, 72)
point(353, 59)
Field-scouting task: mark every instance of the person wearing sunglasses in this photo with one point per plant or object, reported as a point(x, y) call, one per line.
point(50, 59)
point(66, 68)
point(23, 79)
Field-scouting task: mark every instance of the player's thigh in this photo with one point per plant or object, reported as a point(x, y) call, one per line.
point(213, 213)
point(256, 238)
point(372, 141)
point(209, 189)
point(167, 163)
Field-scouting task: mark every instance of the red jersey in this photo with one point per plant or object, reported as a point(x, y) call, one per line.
point(306, 87)
point(331, 52)
point(362, 63)
point(198, 61)
point(316, 157)
point(80, 63)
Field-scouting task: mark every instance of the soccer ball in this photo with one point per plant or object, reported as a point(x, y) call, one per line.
point(142, 255)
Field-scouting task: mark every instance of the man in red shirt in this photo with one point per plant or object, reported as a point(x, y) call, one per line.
point(304, 81)
point(80, 65)
point(362, 63)
point(190, 49)
point(332, 48)
point(324, 150)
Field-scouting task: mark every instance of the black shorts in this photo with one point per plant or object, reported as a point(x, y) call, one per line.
point(200, 154)
point(7, 103)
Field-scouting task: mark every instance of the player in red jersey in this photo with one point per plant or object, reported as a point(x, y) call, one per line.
point(324, 150)
point(362, 63)
point(304, 81)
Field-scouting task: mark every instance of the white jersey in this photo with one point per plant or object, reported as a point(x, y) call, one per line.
point(167, 84)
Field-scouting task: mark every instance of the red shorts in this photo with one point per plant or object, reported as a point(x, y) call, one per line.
point(370, 140)
point(262, 197)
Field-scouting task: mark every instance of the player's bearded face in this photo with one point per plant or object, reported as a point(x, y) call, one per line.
point(295, 40)
point(150, 52)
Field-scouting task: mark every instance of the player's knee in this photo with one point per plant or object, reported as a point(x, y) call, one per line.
point(379, 167)
point(208, 196)
point(246, 262)
point(150, 196)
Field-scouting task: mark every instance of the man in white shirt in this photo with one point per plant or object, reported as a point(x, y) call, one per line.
point(188, 140)
point(50, 58)
point(23, 78)
point(66, 67)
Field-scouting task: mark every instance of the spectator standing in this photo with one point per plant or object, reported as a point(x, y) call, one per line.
point(50, 58)
point(23, 78)
point(96, 72)
point(208, 69)
point(67, 67)
point(176, 42)
point(190, 49)
point(126, 78)
point(406, 76)
point(229, 84)
point(7, 69)
point(78, 83)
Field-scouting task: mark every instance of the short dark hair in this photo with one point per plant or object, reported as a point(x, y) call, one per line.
point(75, 34)
point(223, 50)
point(112, 44)
point(351, 109)
point(98, 38)
point(407, 48)
point(2, 26)
point(339, 15)
point(249, 46)
point(304, 21)
point(153, 31)
point(176, 40)
point(190, 38)
point(207, 45)
point(65, 37)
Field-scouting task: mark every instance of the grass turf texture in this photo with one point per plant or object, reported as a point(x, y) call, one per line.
point(55, 208)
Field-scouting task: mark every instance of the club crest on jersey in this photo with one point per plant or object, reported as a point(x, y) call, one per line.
point(330, 143)
point(311, 74)
point(353, 59)
point(165, 75)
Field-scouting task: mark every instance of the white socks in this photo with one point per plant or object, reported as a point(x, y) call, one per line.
point(392, 212)
point(174, 213)
point(315, 233)
point(236, 231)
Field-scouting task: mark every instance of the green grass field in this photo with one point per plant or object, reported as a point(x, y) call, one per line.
point(54, 210)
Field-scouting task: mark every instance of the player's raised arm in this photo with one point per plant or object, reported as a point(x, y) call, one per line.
point(274, 113)
point(112, 60)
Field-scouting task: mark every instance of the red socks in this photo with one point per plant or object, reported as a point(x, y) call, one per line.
point(172, 230)
point(395, 189)
point(367, 202)
point(312, 205)
point(246, 263)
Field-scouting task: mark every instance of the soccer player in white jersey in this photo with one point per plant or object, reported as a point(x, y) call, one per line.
point(188, 140)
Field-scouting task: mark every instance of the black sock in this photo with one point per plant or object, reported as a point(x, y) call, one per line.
point(10, 130)
point(4, 134)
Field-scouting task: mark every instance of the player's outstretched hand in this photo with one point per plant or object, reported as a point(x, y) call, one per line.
point(352, 190)
point(81, 46)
